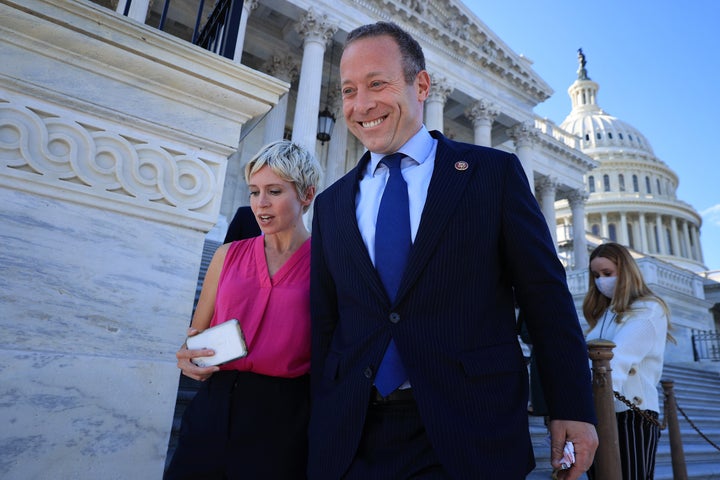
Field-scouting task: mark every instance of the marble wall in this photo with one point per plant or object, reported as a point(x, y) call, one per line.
point(114, 140)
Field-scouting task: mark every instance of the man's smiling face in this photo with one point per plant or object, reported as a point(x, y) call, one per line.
point(381, 109)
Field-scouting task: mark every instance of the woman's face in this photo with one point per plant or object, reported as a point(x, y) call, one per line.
point(274, 202)
point(603, 267)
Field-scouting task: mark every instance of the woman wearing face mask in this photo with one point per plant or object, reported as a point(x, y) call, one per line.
point(621, 308)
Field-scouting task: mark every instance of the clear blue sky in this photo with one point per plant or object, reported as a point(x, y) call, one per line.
point(658, 66)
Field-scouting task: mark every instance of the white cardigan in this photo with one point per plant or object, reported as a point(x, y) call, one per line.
point(637, 362)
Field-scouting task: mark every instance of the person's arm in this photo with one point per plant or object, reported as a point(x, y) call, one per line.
point(549, 313)
point(201, 319)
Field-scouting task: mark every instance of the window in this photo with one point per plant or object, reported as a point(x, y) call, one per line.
point(636, 187)
point(610, 135)
point(612, 231)
point(620, 135)
point(606, 183)
point(630, 137)
point(591, 184)
point(621, 182)
point(671, 250)
point(599, 135)
point(595, 229)
point(587, 137)
point(657, 181)
point(647, 185)
point(631, 242)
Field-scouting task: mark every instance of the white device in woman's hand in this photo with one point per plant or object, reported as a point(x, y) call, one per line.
point(226, 339)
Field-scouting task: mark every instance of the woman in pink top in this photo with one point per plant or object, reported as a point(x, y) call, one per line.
point(249, 419)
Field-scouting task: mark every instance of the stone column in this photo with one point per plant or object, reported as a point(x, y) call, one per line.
point(435, 103)
point(675, 237)
point(524, 135)
point(316, 31)
point(482, 114)
point(662, 250)
point(604, 231)
point(285, 68)
point(248, 6)
point(686, 236)
point(696, 243)
point(337, 148)
point(622, 231)
point(547, 190)
point(643, 234)
point(138, 9)
point(577, 199)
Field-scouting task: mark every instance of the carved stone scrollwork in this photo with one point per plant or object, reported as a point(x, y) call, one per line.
point(284, 67)
point(523, 134)
point(316, 27)
point(546, 184)
point(459, 26)
point(577, 197)
point(482, 110)
point(440, 88)
point(106, 163)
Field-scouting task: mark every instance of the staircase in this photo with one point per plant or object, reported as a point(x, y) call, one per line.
point(697, 393)
point(187, 387)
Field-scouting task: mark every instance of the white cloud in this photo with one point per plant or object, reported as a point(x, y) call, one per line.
point(711, 215)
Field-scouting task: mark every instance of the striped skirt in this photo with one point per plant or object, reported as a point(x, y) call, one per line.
point(638, 441)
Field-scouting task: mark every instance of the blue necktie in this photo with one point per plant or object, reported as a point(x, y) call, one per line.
point(392, 246)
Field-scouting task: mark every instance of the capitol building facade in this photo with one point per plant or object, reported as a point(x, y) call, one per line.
point(124, 129)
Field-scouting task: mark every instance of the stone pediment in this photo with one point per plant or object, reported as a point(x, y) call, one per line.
point(451, 27)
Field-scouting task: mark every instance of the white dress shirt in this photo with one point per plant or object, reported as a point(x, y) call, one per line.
point(417, 168)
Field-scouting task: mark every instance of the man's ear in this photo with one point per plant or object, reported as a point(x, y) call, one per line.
point(422, 85)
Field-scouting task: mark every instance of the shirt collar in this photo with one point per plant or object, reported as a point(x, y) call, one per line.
point(417, 148)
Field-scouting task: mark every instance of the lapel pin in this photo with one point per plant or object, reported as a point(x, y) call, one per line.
point(461, 165)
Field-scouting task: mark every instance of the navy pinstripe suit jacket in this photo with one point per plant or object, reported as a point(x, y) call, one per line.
point(482, 244)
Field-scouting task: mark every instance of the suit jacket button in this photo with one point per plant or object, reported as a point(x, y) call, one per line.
point(394, 317)
point(368, 372)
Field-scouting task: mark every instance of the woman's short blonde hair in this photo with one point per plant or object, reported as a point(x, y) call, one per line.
point(289, 161)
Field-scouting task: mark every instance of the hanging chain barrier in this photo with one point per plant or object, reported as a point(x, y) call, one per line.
point(663, 425)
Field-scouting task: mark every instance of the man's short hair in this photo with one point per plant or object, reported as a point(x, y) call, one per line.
point(413, 59)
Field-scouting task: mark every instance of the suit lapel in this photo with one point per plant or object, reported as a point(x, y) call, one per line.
point(349, 231)
point(447, 186)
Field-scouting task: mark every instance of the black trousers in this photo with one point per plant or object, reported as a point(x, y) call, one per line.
point(242, 425)
point(395, 446)
point(638, 441)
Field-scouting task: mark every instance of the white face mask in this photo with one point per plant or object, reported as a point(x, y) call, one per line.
point(606, 285)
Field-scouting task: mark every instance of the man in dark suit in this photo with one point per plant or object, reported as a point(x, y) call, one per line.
point(479, 242)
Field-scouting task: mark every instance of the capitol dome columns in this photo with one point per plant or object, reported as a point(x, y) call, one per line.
point(577, 199)
point(661, 246)
point(623, 231)
point(677, 251)
point(440, 88)
point(482, 114)
point(316, 31)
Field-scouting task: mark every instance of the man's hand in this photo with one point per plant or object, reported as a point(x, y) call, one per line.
point(585, 440)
